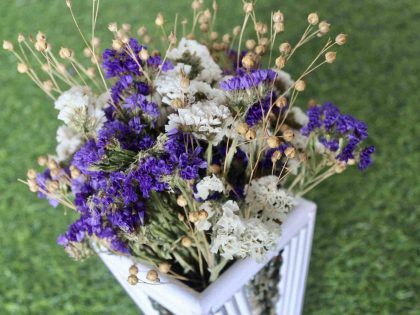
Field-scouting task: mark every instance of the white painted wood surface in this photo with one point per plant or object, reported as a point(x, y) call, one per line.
point(227, 295)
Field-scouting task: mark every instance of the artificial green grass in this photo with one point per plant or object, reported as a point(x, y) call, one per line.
point(365, 254)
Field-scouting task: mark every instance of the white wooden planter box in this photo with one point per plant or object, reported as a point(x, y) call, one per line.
point(227, 295)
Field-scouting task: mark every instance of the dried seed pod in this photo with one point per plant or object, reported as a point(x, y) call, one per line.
point(22, 68)
point(144, 54)
point(275, 156)
point(242, 128)
point(280, 62)
point(278, 27)
point(160, 20)
point(7, 45)
point(248, 7)
point(132, 279)
point(330, 56)
point(214, 169)
point(113, 27)
point(153, 276)
point(285, 48)
point(300, 85)
point(203, 214)
point(133, 270)
point(250, 44)
point(31, 173)
point(288, 135)
point(248, 62)
point(313, 18)
point(324, 27)
point(251, 134)
point(186, 241)
point(290, 152)
point(273, 142)
point(65, 53)
point(278, 17)
point(164, 267)
point(281, 102)
point(341, 39)
point(181, 201)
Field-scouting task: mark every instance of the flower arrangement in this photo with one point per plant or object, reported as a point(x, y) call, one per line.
point(190, 158)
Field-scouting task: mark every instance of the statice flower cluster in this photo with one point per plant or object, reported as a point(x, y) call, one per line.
point(339, 133)
point(191, 156)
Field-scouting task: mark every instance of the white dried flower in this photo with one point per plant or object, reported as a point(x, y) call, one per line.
point(81, 110)
point(69, 141)
point(209, 184)
point(234, 236)
point(299, 116)
point(168, 86)
point(263, 197)
point(210, 70)
point(205, 225)
point(206, 120)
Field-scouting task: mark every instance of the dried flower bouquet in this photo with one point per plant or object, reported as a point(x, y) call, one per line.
point(190, 158)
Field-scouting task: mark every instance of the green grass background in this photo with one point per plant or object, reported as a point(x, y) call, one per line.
point(365, 255)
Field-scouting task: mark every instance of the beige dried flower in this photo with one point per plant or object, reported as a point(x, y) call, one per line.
point(248, 61)
point(330, 56)
point(242, 128)
point(31, 173)
point(214, 35)
point(261, 28)
point(126, 27)
point(273, 142)
point(313, 18)
point(341, 39)
point(300, 85)
point(117, 44)
point(196, 4)
point(160, 20)
point(290, 152)
point(65, 53)
point(280, 62)
point(186, 241)
point(285, 48)
point(22, 67)
point(250, 44)
point(41, 37)
point(181, 201)
point(153, 276)
point(42, 160)
point(278, 27)
point(21, 38)
point(202, 215)
point(164, 267)
point(133, 270)
point(248, 7)
point(7, 45)
point(132, 279)
point(324, 27)
point(236, 30)
point(278, 17)
point(288, 135)
point(215, 169)
point(113, 27)
point(281, 102)
point(142, 31)
point(275, 156)
point(251, 134)
point(144, 54)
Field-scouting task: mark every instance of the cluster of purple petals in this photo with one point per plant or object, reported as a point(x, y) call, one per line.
point(248, 79)
point(260, 109)
point(122, 66)
point(184, 158)
point(41, 180)
point(334, 126)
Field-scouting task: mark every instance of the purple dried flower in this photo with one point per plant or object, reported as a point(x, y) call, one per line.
point(365, 157)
